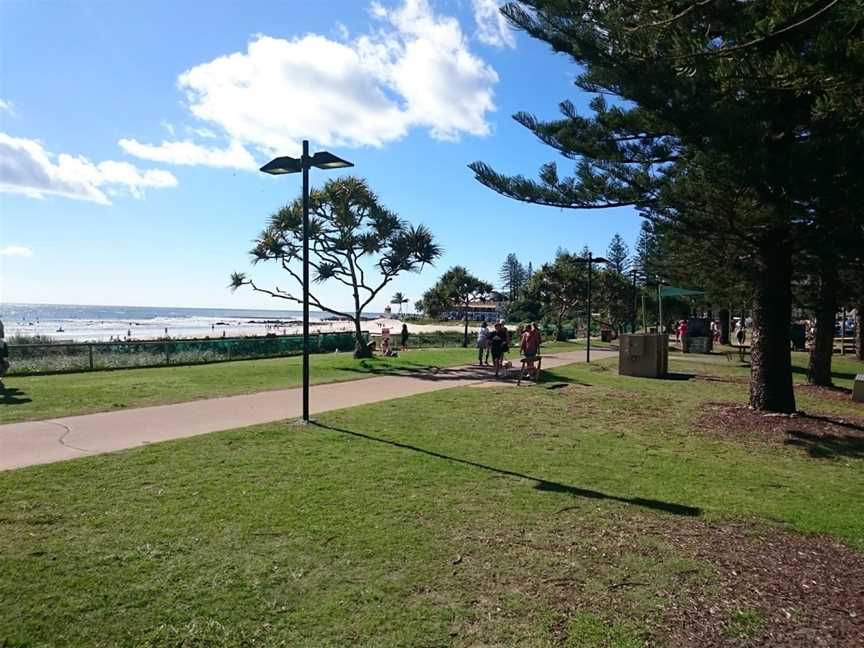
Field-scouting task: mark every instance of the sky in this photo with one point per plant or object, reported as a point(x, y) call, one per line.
point(131, 135)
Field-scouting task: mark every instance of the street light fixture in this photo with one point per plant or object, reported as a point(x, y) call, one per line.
point(282, 166)
point(590, 260)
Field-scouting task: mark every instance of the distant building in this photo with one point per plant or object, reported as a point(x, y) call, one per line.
point(490, 310)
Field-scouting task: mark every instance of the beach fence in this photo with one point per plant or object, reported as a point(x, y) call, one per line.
point(29, 359)
point(427, 340)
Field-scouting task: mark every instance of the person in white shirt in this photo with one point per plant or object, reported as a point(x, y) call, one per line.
point(483, 344)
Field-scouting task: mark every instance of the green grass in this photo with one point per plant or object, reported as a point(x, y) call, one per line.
point(40, 397)
point(744, 624)
point(495, 516)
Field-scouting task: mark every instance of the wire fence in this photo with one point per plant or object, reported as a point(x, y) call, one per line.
point(436, 339)
point(29, 359)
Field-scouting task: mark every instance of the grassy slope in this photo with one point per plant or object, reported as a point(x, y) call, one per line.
point(421, 521)
point(41, 397)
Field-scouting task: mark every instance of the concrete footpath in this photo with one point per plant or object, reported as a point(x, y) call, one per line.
point(40, 442)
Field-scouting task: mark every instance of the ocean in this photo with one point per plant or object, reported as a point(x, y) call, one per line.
point(67, 322)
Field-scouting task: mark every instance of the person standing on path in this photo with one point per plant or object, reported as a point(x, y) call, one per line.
point(483, 344)
point(498, 345)
point(530, 346)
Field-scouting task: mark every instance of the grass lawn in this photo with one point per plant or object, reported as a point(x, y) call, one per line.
point(30, 398)
point(589, 510)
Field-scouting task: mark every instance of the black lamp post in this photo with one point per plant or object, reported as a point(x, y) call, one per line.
point(281, 166)
point(590, 260)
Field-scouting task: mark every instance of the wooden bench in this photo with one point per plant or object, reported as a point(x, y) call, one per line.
point(538, 362)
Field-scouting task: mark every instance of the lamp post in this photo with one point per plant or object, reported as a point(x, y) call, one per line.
point(589, 260)
point(635, 309)
point(282, 166)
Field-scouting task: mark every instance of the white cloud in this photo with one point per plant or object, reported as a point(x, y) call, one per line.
point(414, 70)
point(16, 250)
point(189, 153)
point(492, 26)
point(27, 168)
point(7, 106)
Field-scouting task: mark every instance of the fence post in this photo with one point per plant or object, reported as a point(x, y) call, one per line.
point(90, 346)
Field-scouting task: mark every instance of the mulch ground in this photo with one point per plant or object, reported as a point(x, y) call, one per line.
point(818, 436)
point(738, 584)
point(805, 590)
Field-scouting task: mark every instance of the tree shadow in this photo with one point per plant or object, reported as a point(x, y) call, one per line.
point(13, 396)
point(540, 484)
point(827, 446)
point(559, 380)
point(840, 375)
point(434, 373)
point(675, 376)
point(833, 421)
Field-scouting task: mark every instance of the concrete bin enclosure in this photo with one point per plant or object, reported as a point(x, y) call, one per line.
point(643, 354)
point(858, 389)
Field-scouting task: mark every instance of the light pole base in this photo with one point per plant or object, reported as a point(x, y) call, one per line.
point(301, 422)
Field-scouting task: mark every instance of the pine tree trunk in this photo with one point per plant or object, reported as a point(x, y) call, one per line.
point(723, 314)
point(822, 351)
point(859, 330)
point(771, 370)
point(361, 348)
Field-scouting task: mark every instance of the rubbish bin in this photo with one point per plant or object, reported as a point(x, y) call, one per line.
point(605, 335)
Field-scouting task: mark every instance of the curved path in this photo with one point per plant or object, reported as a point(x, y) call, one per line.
point(40, 442)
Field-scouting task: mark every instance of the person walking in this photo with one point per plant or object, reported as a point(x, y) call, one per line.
point(741, 334)
point(529, 347)
point(483, 344)
point(498, 346)
point(682, 331)
point(404, 335)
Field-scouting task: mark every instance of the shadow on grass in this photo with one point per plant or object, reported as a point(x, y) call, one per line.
point(553, 376)
point(432, 373)
point(13, 396)
point(840, 375)
point(828, 446)
point(540, 484)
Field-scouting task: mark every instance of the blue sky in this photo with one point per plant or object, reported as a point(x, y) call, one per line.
point(130, 134)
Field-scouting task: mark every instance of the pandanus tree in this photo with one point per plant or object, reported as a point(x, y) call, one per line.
point(354, 241)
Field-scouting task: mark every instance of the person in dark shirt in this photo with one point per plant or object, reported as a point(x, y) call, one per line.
point(4, 356)
point(404, 335)
point(498, 344)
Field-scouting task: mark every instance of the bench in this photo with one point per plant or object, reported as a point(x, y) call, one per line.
point(538, 363)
